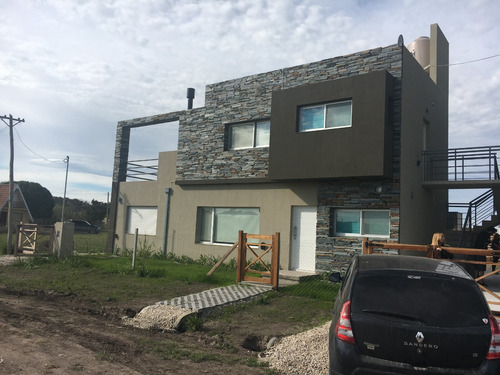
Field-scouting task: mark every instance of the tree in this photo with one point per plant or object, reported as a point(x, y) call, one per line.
point(38, 199)
point(93, 212)
point(96, 212)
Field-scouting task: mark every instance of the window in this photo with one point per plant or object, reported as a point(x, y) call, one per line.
point(325, 116)
point(248, 135)
point(361, 222)
point(142, 218)
point(221, 225)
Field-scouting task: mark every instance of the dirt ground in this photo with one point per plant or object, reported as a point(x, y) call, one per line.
point(59, 334)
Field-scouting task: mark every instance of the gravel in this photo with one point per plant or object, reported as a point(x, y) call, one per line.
point(9, 259)
point(303, 354)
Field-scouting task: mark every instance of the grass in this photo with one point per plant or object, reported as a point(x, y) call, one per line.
point(110, 281)
point(90, 243)
point(104, 278)
point(83, 243)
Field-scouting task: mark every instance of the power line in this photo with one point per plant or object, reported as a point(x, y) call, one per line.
point(29, 149)
point(469, 62)
point(473, 61)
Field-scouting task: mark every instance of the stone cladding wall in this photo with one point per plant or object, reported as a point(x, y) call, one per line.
point(201, 149)
point(336, 252)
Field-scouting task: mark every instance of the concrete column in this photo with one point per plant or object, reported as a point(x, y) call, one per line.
point(64, 244)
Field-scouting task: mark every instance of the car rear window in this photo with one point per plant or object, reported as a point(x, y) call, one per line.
point(429, 299)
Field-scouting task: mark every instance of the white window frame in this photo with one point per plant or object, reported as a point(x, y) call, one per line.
point(361, 228)
point(325, 107)
point(212, 229)
point(254, 125)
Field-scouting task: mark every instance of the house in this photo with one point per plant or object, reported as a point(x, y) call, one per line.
point(324, 153)
point(20, 210)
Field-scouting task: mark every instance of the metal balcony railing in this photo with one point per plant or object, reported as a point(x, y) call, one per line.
point(145, 170)
point(461, 164)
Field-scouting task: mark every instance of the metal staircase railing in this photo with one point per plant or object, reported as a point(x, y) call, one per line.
point(479, 209)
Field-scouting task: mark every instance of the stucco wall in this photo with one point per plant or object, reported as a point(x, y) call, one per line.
point(425, 105)
point(274, 201)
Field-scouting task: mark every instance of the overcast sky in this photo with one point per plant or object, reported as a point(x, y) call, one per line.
point(72, 69)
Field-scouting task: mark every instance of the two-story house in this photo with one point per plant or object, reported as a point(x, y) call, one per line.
point(324, 153)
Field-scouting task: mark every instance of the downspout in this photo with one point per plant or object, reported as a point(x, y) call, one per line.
point(167, 213)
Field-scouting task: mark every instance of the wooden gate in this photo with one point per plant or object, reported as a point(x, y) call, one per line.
point(262, 247)
point(33, 238)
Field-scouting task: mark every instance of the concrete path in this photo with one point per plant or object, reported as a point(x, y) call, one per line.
point(213, 298)
point(168, 315)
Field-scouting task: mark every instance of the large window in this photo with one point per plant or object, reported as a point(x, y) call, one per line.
point(221, 225)
point(325, 116)
point(142, 218)
point(361, 222)
point(248, 135)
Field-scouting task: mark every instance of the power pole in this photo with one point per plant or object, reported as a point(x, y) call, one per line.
point(12, 122)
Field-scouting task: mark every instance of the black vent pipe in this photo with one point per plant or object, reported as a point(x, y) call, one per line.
point(190, 97)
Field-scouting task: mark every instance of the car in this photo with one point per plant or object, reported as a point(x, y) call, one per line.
point(397, 314)
point(83, 226)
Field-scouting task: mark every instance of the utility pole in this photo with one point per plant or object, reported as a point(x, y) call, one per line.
point(12, 122)
point(66, 160)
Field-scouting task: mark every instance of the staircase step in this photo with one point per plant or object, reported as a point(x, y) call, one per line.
point(298, 276)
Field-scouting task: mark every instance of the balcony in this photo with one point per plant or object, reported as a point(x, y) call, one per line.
point(461, 168)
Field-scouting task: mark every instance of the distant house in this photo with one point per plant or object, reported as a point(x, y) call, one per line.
point(325, 153)
point(20, 210)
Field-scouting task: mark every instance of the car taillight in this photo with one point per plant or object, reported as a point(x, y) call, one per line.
point(343, 328)
point(494, 352)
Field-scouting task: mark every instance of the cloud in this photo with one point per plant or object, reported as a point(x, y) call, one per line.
point(74, 68)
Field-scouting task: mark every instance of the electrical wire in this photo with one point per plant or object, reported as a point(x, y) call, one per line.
point(29, 149)
point(469, 62)
point(473, 61)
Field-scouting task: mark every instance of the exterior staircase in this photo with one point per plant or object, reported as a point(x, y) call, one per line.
point(482, 213)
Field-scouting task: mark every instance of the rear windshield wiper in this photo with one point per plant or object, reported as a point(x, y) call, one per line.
point(394, 315)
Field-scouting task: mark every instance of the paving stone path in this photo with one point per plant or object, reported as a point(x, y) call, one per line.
point(212, 298)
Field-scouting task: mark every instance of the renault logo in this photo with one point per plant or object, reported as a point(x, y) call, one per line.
point(420, 337)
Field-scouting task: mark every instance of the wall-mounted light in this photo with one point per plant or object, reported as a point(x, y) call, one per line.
point(379, 189)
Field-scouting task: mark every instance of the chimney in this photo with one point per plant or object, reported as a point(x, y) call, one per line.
point(190, 97)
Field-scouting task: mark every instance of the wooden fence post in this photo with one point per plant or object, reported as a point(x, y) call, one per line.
point(275, 261)
point(366, 248)
point(240, 270)
point(430, 251)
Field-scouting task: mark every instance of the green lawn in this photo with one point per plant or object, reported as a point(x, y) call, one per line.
point(83, 243)
point(108, 284)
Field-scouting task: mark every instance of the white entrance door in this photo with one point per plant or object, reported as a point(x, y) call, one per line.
point(303, 242)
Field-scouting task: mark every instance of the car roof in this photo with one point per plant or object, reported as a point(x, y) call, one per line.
point(374, 262)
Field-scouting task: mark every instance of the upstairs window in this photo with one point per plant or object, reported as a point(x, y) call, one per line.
point(326, 116)
point(374, 223)
point(248, 135)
